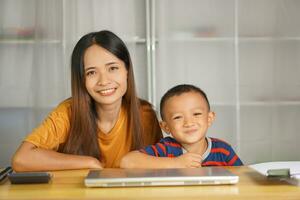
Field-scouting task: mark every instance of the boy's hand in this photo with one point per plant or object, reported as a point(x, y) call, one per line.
point(188, 160)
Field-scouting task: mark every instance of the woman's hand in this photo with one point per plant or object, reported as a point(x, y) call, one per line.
point(95, 164)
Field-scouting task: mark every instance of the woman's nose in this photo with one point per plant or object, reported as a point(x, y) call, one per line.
point(103, 79)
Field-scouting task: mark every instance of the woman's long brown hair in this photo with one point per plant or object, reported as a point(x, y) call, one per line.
point(83, 136)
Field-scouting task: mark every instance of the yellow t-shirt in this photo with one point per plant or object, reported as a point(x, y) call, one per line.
point(113, 145)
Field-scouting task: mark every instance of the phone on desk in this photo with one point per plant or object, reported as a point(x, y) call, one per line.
point(29, 177)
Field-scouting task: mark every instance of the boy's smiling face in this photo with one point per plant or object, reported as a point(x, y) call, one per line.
point(187, 118)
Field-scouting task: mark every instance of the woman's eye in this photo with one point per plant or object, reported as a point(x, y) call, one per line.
point(90, 73)
point(113, 68)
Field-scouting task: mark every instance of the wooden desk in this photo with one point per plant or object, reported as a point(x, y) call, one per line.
point(69, 185)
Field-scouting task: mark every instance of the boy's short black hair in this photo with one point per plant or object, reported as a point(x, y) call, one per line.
point(178, 90)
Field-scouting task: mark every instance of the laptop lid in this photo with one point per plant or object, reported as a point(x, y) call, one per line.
point(159, 177)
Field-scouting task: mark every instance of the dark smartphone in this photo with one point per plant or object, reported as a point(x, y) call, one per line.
point(5, 172)
point(29, 177)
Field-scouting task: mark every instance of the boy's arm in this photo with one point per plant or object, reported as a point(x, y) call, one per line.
point(233, 159)
point(30, 158)
point(136, 159)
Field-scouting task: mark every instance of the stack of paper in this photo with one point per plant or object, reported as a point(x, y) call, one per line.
point(294, 167)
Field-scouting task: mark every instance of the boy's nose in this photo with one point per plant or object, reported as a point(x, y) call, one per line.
point(188, 122)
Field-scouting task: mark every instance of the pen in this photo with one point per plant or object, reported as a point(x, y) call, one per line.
point(5, 172)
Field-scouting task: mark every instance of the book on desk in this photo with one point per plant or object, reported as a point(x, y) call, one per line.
point(288, 171)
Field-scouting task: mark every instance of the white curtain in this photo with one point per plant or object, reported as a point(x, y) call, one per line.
point(36, 41)
point(245, 54)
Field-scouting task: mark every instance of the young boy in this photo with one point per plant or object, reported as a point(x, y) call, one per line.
point(186, 115)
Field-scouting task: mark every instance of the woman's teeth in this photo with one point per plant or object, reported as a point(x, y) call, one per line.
point(108, 91)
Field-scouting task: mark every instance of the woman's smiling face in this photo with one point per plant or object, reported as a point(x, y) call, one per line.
point(105, 76)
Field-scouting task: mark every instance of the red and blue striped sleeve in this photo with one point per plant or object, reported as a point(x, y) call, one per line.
point(166, 147)
point(222, 154)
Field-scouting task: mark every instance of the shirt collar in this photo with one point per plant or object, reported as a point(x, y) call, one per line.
point(208, 149)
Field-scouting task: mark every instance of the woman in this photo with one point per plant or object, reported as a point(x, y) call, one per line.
point(101, 122)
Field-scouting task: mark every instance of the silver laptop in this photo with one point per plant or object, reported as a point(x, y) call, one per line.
point(159, 177)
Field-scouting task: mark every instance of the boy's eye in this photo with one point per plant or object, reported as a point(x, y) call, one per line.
point(197, 113)
point(177, 117)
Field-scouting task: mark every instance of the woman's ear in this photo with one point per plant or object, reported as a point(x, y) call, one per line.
point(211, 118)
point(163, 125)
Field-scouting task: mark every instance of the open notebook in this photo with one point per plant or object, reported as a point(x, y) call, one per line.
point(159, 177)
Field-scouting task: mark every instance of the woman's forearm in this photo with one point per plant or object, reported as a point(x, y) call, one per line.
point(30, 158)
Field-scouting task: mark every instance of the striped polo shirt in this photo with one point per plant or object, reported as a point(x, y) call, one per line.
point(218, 152)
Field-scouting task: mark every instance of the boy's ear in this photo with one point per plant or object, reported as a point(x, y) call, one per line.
point(211, 118)
point(163, 125)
